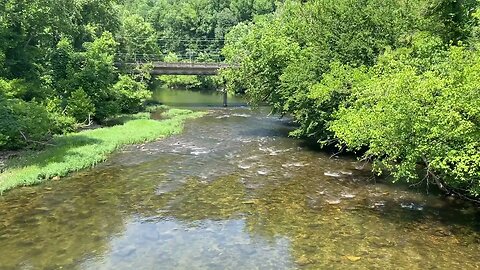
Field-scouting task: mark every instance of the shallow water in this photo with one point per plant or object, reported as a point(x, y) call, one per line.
point(233, 192)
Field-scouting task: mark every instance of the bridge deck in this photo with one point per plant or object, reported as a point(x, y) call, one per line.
point(184, 68)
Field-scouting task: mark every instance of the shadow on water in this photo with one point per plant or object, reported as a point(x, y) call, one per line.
point(460, 215)
point(257, 129)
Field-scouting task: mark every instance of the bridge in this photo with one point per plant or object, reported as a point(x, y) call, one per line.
point(182, 68)
point(173, 55)
point(186, 68)
point(178, 68)
point(199, 56)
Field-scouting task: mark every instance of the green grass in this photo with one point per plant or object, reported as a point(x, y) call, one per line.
point(77, 151)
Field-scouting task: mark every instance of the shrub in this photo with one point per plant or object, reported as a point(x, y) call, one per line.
point(407, 116)
point(61, 122)
point(22, 123)
point(130, 93)
point(80, 106)
point(108, 108)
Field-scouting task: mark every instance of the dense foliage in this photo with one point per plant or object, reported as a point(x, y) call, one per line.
point(57, 68)
point(184, 30)
point(396, 81)
point(59, 59)
point(195, 27)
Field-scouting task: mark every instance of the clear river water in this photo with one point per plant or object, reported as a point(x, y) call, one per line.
point(233, 192)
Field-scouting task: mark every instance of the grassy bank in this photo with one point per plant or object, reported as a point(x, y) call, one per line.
point(85, 149)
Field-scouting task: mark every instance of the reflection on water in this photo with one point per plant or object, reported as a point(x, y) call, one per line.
point(232, 192)
point(189, 98)
point(210, 245)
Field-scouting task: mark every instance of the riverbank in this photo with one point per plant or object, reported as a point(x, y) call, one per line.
point(76, 151)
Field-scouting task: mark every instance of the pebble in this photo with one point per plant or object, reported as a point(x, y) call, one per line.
point(333, 202)
point(249, 202)
point(332, 174)
point(348, 196)
point(353, 258)
point(378, 204)
point(262, 172)
point(442, 233)
point(411, 206)
point(303, 260)
point(241, 166)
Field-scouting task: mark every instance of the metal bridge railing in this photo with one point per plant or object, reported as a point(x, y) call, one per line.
point(140, 57)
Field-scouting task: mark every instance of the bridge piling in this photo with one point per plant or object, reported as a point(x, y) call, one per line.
point(225, 104)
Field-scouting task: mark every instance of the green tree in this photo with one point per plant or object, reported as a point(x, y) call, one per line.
point(22, 124)
point(80, 106)
point(405, 116)
point(131, 94)
point(454, 18)
point(137, 39)
point(97, 74)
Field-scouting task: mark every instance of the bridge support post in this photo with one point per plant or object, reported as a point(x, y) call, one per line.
point(225, 104)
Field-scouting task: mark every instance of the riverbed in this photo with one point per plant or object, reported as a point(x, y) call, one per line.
point(233, 192)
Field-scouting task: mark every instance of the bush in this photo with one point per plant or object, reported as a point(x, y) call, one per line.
point(25, 123)
point(407, 116)
point(80, 106)
point(109, 108)
point(24, 90)
point(22, 124)
point(61, 123)
point(130, 94)
point(7, 89)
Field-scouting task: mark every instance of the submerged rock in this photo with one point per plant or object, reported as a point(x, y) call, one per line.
point(241, 115)
point(333, 201)
point(412, 206)
point(378, 204)
point(353, 258)
point(442, 233)
point(348, 195)
point(303, 260)
point(250, 202)
point(332, 174)
point(244, 167)
point(262, 172)
point(126, 251)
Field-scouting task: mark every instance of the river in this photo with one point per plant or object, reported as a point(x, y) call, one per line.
point(233, 192)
